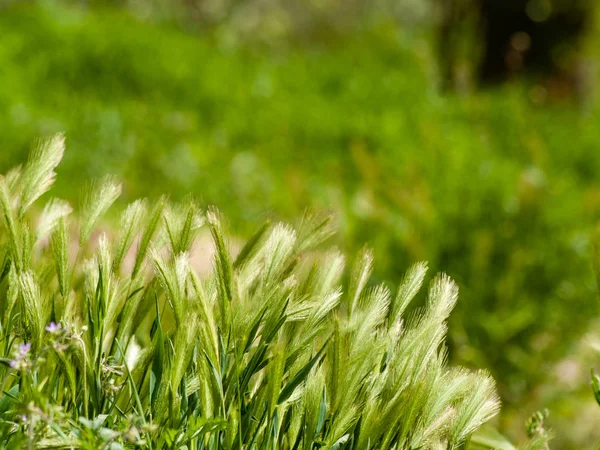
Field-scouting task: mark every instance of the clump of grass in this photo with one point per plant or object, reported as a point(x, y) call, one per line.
point(266, 352)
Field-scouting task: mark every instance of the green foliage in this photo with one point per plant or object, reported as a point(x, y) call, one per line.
point(493, 188)
point(266, 351)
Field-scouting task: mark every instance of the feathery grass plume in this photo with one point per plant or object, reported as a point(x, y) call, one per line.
point(129, 225)
point(13, 178)
point(278, 250)
point(98, 197)
point(252, 245)
point(329, 274)
point(408, 288)
point(479, 404)
point(173, 275)
point(12, 226)
point(182, 222)
point(59, 245)
point(34, 308)
point(151, 229)
point(26, 246)
point(360, 275)
point(271, 351)
point(38, 174)
point(223, 265)
point(11, 297)
point(54, 210)
point(313, 231)
point(443, 295)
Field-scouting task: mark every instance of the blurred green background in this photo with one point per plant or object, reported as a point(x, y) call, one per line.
point(429, 129)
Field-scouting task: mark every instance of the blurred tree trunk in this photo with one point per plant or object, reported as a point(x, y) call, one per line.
point(457, 45)
point(542, 38)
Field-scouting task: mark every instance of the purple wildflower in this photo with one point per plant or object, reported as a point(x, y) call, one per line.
point(53, 328)
point(20, 362)
point(24, 349)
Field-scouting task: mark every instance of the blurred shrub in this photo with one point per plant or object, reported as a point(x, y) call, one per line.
point(492, 188)
point(272, 22)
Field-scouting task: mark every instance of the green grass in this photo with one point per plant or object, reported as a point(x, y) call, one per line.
point(267, 351)
point(498, 191)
